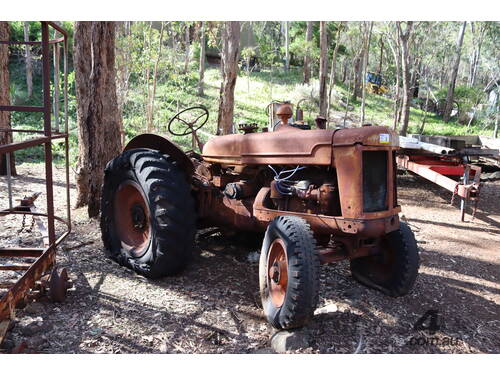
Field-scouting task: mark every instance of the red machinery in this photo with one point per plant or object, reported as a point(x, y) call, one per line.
point(439, 164)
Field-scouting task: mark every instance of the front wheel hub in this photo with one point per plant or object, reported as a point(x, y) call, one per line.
point(275, 273)
point(277, 266)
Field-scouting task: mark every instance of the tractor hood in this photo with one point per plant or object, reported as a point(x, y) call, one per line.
point(290, 145)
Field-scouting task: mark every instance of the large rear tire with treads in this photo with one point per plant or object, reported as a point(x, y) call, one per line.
point(147, 213)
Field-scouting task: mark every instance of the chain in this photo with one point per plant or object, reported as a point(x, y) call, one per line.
point(32, 224)
point(22, 225)
point(455, 192)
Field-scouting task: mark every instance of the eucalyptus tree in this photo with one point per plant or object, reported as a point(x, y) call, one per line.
point(307, 56)
point(404, 34)
point(323, 69)
point(5, 136)
point(28, 59)
point(229, 68)
point(201, 82)
point(98, 116)
point(454, 72)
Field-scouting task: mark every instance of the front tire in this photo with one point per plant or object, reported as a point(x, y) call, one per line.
point(395, 269)
point(147, 213)
point(289, 273)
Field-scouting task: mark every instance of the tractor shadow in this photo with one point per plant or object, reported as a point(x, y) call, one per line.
point(467, 312)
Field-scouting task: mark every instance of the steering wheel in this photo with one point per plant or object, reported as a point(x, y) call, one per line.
point(193, 123)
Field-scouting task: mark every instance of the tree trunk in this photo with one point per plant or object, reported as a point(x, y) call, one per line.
point(122, 63)
point(414, 80)
point(98, 115)
point(287, 46)
point(442, 75)
point(155, 76)
point(477, 39)
point(357, 77)
point(147, 85)
point(344, 70)
point(366, 48)
point(307, 57)
point(397, 100)
point(451, 89)
point(202, 60)
point(405, 63)
point(323, 69)
point(333, 75)
point(229, 67)
point(426, 105)
point(381, 55)
point(188, 49)
point(5, 137)
point(28, 60)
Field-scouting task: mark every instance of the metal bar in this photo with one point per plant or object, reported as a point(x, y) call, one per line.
point(415, 144)
point(21, 108)
point(11, 147)
point(21, 252)
point(48, 131)
point(9, 182)
point(5, 130)
point(14, 267)
point(426, 172)
point(32, 42)
point(58, 28)
point(66, 130)
point(463, 201)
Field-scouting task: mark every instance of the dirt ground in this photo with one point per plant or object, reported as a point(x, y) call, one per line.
point(214, 306)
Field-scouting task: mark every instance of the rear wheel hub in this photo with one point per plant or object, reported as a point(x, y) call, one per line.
point(132, 218)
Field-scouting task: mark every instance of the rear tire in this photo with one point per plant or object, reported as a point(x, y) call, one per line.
point(289, 273)
point(395, 269)
point(147, 213)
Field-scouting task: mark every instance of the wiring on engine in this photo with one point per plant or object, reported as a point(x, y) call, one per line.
point(281, 181)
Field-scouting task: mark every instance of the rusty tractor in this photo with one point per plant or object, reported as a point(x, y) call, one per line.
point(315, 195)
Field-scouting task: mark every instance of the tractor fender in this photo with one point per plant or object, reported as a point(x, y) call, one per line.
point(159, 143)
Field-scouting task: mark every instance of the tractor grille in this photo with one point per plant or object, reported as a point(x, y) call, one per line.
point(374, 181)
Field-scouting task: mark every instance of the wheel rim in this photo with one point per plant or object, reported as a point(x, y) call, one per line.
point(277, 272)
point(132, 218)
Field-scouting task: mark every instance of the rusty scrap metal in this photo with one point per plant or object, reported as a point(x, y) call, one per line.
point(33, 280)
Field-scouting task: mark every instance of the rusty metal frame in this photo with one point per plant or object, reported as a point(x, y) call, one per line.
point(437, 169)
point(45, 256)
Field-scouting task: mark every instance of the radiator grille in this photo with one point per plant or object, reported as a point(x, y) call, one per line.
point(374, 181)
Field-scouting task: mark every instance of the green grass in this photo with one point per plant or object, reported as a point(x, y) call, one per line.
point(252, 94)
point(379, 110)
